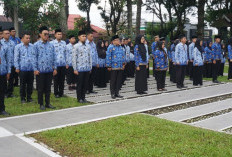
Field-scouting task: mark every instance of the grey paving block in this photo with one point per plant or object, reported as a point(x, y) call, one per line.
point(193, 112)
point(217, 123)
point(14, 147)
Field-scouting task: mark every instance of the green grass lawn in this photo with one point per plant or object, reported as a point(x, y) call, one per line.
point(136, 135)
point(14, 106)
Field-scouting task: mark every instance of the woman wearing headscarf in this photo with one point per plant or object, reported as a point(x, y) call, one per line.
point(223, 60)
point(229, 47)
point(198, 62)
point(209, 58)
point(101, 71)
point(141, 62)
point(161, 65)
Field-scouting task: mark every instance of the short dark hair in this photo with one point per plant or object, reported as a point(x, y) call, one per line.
point(58, 30)
point(25, 34)
point(11, 29)
point(1, 29)
point(71, 36)
point(43, 28)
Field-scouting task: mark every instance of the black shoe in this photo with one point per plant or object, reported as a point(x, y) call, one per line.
point(70, 88)
point(29, 100)
point(184, 87)
point(42, 107)
point(23, 101)
point(57, 96)
point(179, 87)
point(81, 101)
point(11, 96)
point(93, 92)
point(50, 106)
point(85, 101)
point(113, 96)
point(216, 81)
point(164, 89)
point(61, 95)
point(4, 113)
point(119, 96)
point(144, 92)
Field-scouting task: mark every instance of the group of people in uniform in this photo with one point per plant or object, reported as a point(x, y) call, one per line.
point(86, 64)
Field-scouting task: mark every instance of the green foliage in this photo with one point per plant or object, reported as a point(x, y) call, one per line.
point(73, 32)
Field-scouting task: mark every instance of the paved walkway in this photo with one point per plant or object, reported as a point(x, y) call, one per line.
point(12, 130)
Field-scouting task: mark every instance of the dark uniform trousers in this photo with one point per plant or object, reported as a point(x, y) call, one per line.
point(230, 70)
point(180, 74)
point(160, 78)
point(115, 82)
point(3, 85)
point(92, 79)
point(44, 81)
point(215, 69)
point(59, 81)
point(190, 69)
point(10, 85)
point(82, 84)
point(70, 76)
point(197, 75)
point(26, 84)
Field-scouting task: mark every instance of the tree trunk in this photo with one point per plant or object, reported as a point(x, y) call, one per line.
point(138, 17)
point(16, 19)
point(129, 17)
point(66, 8)
point(88, 20)
point(63, 18)
point(201, 16)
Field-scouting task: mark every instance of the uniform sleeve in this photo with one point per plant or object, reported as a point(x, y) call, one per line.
point(136, 54)
point(176, 54)
point(75, 57)
point(190, 52)
point(35, 63)
point(16, 57)
point(214, 49)
point(157, 58)
point(195, 54)
point(109, 57)
point(229, 52)
point(67, 55)
point(54, 65)
point(8, 60)
point(90, 58)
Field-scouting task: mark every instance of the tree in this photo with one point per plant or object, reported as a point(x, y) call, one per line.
point(129, 17)
point(138, 16)
point(113, 16)
point(201, 18)
point(85, 5)
point(63, 17)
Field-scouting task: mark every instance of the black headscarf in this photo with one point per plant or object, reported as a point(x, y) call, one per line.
point(208, 43)
point(101, 50)
point(198, 46)
point(159, 47)
point(141, 47)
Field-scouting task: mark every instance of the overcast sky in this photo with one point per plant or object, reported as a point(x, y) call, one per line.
point(95, 13)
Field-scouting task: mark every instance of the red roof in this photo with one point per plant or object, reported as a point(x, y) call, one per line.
point(73, 17)
point(5, 19)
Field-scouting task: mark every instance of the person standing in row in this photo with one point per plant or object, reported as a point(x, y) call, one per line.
point(209, 57)
point(70, 72)
point(24, 57)
point(173, 72)
point(153, 49)
point(223, 60)
point(161, 62)
point(190, 63)
point(5, 70)
point(10, 46)
point(198, 62)
point(181, 60)
point(101, 71)
point(17, 41)
point(92, 77)
point(60, 59)
point(44, 67)
point(82, 65)
point(216, 52)
point(230, 59)
point(115, 62)
point(141, 63)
